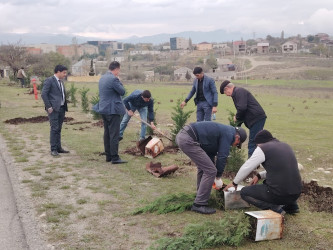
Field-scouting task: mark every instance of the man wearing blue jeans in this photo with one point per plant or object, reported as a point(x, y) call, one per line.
point(142, 102)
point(248, 109)
point(206, 96)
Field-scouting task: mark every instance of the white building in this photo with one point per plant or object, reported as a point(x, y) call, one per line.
point(179, 43)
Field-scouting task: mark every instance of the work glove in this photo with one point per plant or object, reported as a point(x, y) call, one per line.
point(218, 183)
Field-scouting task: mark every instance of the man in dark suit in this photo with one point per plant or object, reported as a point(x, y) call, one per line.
point(206, 95)
point(54, 97)
point(112, 109)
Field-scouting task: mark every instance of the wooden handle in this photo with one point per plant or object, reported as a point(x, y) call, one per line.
point(158, 131)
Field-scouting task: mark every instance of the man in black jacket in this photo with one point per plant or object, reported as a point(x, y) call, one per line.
point(202, 142)
point(248, 109)
point(282, 185)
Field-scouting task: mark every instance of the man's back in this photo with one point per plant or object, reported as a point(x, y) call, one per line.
point(110, 92)
point(282, 176)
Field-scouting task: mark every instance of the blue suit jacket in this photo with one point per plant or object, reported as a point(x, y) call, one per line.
point(110, 92)
point(209, 91)
point(51, 94)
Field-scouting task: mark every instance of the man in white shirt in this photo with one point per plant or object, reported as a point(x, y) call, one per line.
point(282, 185)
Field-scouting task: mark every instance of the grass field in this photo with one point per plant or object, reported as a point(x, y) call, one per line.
point(86, 203)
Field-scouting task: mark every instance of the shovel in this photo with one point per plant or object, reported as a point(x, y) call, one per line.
point(158, 131)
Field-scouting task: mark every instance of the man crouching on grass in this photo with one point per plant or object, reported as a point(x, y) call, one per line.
point(282, 185)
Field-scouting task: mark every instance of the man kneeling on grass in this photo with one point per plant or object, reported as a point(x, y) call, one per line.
point(282, 185)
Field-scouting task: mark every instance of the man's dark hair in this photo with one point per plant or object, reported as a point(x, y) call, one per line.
point(60, 68)
point(197, 70)
point(114, 65)
point(146, 94)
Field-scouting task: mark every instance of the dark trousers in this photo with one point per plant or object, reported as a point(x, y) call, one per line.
point(56, 119)
point(22, 82)
point(256, 127)
point(206, 168)
point(204, 111)
point(260, 196)
point(111, 136)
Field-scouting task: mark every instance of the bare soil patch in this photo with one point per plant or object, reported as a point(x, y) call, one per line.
point(36, 119)
point(320, 198)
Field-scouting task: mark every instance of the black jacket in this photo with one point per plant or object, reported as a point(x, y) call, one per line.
point(249, 110)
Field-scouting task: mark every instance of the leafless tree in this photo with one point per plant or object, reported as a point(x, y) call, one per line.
point(13, 55)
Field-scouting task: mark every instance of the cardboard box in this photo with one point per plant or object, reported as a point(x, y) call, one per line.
point(266, 225)
point(154, 148)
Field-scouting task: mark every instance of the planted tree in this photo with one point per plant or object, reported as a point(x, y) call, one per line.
point(180, 118)
point(236, 155)
point(72, 92)
point(84, 100)
point(94, 100)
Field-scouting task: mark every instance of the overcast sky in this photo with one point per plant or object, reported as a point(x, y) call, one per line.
point(119, 19)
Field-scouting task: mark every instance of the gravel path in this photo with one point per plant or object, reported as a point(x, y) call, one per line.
point(18, 227)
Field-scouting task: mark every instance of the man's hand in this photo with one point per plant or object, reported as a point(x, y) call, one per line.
point(183, 104)
point(254, 180)
point(50, 110)
point(153, 125)
point(229, 186)
point(130, 113)
point(218, 183)
point(214, 110)
point(235, 118)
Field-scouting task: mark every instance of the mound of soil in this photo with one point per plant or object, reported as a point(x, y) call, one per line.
point(100, 124)
point(36, 119)
point(320, 198)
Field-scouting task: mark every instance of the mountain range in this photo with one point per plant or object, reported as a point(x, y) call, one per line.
point(62, 39)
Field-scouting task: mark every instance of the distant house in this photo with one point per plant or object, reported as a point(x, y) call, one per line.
point(289, 47)
point(262, 48)
point(223, 64)
point(81, 68)
point(179, 43)
point(87, 49)
point(239, 47)
point(180, 74)
point(220, 45)
point(323, 37)
point(204, 46)
point(4, 71)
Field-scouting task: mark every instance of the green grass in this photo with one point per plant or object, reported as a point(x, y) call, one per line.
point(299, 113)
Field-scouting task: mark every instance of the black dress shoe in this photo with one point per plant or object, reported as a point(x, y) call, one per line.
point(203, 209)
point(54, 153)
point(119, 161)
point(63, 151)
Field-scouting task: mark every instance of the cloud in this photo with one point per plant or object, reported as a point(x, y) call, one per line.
point(321, 21)
point(119, 19)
